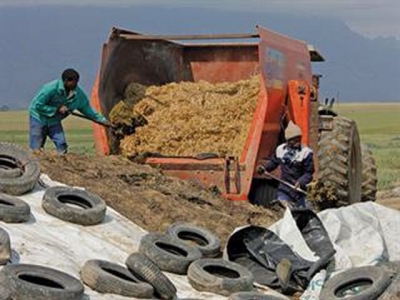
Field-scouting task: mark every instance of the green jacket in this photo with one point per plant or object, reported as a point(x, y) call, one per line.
point(44, 106)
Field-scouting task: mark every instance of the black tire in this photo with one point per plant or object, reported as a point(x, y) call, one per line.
point(208, 243)
point(28, 167)
point(9, 168)
point(369, 175)
point(139, 264)
point(5, 247)
point(107, 277)
point(376, 278)
point(56, 199)
point(168, 254)
point(339, 161)
point(251, 296)
point(40, 283)
point(13, 209)
point(219, 276)
point(263, 192)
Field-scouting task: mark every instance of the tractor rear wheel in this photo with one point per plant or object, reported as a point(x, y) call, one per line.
point(339, 161)
point(369, 175)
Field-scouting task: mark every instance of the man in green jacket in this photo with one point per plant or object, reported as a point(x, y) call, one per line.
point(54, 102)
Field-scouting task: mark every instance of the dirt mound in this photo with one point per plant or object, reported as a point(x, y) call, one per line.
point(149, 199)
point(188, 118)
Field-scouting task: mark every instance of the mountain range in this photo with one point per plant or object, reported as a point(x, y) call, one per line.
point(38, 42)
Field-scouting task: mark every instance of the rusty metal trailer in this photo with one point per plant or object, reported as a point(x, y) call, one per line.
point(284, 66)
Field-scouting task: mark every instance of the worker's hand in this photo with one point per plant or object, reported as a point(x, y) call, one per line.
point(260, 170)
point(63, 110)
point(109, 124)
point(299, 186)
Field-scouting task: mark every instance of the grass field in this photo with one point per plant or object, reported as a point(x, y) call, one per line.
point(379, 127)
point(378, 124)
point(14, 127)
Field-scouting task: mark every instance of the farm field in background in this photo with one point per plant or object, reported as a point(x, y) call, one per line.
point(379, 127)
point(14, 127)
point(378, 124)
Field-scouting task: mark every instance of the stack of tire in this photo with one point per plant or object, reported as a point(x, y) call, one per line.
point(19, 174)
point(183, 249)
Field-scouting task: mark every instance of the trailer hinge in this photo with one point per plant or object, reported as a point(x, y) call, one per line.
point(232, 183)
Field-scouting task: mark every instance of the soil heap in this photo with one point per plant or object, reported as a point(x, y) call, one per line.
point(187, 118)
point(150, 199)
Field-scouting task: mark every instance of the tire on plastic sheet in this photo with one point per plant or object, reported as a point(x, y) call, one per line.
point(371, 282)
point(208, 243)
point(251, 296)
point(139, 264)
point(219, 276)
point(13, 209)
point(108, 277)
point(168, 254)
point(18, 161)
point(29, 282)
point(56, 202)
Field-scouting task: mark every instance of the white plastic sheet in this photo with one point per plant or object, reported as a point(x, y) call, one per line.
point(47, 241)
point(362, 234)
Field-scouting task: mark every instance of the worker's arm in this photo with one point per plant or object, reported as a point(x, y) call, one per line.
point(272, 163)
point(85, 108)
point(269, 166)
point(308, 171)
point(42, 100)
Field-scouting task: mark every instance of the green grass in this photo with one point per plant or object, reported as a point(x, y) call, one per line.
point(14, 127)
point(379, 127)
point(378, 124)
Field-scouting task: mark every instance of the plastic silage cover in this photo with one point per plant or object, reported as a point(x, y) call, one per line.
point(47, 241)
point(362, 234)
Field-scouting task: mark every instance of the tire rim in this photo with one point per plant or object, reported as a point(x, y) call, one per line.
point(9, 163)
point(353, 288)
point(119, 274)
point(193, 238)
point(74, 201)
point(38, 280)
point(222, 272)
point(172, 249)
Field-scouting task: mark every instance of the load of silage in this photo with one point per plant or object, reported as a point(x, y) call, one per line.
point(187, 118)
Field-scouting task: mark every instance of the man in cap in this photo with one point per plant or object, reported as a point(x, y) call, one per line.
point(296, 164)
point(54, 102)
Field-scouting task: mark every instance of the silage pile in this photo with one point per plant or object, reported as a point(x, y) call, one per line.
point(187, 118)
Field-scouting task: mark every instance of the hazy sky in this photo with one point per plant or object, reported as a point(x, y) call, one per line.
point(369, 17)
